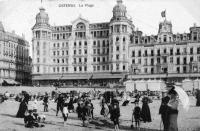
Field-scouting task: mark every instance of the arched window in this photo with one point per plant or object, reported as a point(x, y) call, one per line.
point(80, 26)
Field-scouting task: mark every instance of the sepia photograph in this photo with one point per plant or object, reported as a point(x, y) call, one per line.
point(99, 65)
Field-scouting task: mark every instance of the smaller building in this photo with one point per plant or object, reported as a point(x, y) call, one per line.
point(14, 59)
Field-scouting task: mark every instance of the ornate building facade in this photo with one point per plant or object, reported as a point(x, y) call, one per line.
point(106, 52)
point(14, 59)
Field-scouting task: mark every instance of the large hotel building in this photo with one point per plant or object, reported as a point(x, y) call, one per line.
point(15, 62)
point(108, 51)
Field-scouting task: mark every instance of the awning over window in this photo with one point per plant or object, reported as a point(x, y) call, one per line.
point(11, 81)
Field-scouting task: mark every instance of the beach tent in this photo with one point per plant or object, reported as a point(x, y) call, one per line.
point(141, 85)
point(187, 84)
point(129, 85)
point(155, 85)
point(196, 84)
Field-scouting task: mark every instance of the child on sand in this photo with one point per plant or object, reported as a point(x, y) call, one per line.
point(65, 113)
point(137, 115)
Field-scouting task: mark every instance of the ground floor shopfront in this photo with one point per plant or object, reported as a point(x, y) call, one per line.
point(103, 79)
point(79, 80)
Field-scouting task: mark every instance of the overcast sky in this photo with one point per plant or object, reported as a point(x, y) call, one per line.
point(19, 15)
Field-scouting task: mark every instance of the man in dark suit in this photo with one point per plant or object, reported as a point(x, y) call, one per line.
point(163, 111)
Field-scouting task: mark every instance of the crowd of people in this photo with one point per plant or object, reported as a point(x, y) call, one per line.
point(109, 103)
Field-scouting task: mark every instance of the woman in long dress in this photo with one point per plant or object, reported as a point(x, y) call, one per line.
point(23, 107)
point(173, 110)
point(146, 114)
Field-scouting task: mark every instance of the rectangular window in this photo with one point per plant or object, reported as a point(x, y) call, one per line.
point(94, 68)
point(145, 61)
point(66, 60)
point(107, 67)
point(152, 54)
point(94, 59)
point(75, 69)
point(85, 43)
point(185, 60)
point(145, 70)
point(158, 52)
point(98, 68)
point(133, 61)
point(85, 51)
point(171, 59)
point(38, 60)
point(178, 69)
point(94, 51)
point(117, 66)
point(184, 69)
point(133, 53)
point(139, 53)
point(191, 50)
point(178, 60)
point(117, 48)
point(191, 59)
point(124, 67)
point(80, 60)
point(117, 57)
point(158, 60)
point(139, 61)
point(98, 51)
point(74, 52)
point(38, 52)
point(98, 59)
point(94, 43)
point(171, 51)
point(79, 51)
point(178, 51)
point(198, 50)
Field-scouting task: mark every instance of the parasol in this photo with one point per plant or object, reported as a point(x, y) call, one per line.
point(183, 97)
